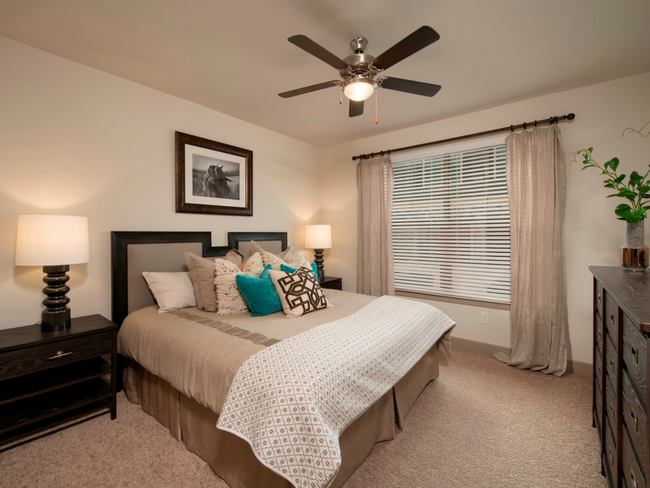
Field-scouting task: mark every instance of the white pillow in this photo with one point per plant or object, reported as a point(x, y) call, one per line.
point(172, 291)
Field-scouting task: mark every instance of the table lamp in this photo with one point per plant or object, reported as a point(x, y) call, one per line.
point(54, 242)
point(318, 237)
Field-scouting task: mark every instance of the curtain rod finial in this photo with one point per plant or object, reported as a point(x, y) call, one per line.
point(571, 116)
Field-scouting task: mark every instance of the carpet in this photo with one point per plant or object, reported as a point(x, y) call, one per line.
point(481, 424)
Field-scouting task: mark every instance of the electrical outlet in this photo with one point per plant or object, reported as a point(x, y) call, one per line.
point(484, 317)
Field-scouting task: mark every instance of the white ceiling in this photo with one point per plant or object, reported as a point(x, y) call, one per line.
point(233, 56)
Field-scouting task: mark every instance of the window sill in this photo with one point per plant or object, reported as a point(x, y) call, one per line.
point(459, 301)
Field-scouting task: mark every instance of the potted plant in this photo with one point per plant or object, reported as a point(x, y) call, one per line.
point(636, 193)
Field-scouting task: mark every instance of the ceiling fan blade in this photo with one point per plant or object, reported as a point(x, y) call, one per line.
point(409, 86)
point(309, 89)
point(356, 108)
point(420, 39)
point(305, 43)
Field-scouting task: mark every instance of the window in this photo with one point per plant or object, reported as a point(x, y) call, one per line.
point(451, 224)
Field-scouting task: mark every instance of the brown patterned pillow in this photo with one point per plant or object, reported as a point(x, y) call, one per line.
point(299, 291)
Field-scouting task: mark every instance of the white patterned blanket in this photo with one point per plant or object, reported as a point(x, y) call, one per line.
point(292, 400)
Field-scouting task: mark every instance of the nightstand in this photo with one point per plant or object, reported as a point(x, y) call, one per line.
point(48, 378)
point(332, 283)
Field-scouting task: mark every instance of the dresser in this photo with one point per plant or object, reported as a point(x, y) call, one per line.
point(621, 395)
point(52, 378)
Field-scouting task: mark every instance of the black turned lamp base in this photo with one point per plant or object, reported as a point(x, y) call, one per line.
point(318, 259)
point(56, 315)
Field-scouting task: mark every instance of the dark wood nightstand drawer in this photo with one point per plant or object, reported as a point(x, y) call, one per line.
point(32, 359)
point(331, 283)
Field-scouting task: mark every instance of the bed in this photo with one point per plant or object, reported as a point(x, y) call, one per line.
point(165, 370)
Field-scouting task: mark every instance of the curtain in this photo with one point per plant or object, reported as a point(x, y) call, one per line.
point(375, 275)
point(536, 178)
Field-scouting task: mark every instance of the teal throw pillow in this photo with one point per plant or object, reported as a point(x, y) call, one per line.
point(289, 269)
point(259, 293)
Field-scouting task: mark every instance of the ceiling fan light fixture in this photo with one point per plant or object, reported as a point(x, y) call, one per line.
point(359, 89)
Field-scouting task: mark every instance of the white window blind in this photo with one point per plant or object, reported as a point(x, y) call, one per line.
point(451, 225)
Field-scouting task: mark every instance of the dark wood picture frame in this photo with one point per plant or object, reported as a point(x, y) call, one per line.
point(246, 184)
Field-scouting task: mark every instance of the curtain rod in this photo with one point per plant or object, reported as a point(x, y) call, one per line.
point(551, 120)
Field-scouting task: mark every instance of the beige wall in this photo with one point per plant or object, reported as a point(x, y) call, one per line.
point(74, 140)
point(592, 233)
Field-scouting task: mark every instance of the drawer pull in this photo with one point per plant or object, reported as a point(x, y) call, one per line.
point(635, 354)
point(599, 299)
point(611, 316)
point(636, 421)
point(632, 479)
point(611, 363)
point(60, 354)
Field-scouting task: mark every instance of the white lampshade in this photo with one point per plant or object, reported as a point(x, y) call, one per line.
point(359, 89)
point(318, 236)
point(51, 240)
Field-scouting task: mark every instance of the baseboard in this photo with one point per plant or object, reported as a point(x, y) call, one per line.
point(578, 368)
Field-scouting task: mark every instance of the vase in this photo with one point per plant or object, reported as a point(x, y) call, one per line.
point(634, 254)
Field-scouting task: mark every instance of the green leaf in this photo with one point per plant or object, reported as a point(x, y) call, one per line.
point(643, 188)
point(619, 179)
point(608, 185)
point(613, 195)
point(590, 149)
point(613, 163)
point(630, 195)
point(635, 176)
point(633, 218)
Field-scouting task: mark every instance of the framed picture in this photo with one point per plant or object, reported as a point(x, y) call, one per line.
point(212, 177)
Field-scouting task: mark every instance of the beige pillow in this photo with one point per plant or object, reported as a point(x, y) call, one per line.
point(172, 291)
point(202, 276)
point(294, 259)
point(299, 292)
point(229, 299)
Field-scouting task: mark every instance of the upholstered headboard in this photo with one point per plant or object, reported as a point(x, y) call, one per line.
point(135, 252)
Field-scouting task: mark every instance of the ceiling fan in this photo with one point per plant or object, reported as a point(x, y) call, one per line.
point(359, 71)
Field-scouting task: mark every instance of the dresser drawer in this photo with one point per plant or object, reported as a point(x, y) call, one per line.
point(32, 359)
point(599, 335)
point(599, 298)
point(610, 402)
point(631, 472)
point(598, 368)
point(635, 358)
point(599, 409)
point(611, 360)
point(611, 318)
point(610, 452)
point(635, 420)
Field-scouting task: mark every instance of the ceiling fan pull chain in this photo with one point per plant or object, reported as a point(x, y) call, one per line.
point(376, 107)
point(341, 96)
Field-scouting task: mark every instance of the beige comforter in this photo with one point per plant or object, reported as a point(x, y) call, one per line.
point(199, 353)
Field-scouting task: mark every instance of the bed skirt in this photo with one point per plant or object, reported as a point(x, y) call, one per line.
point(232, 458)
